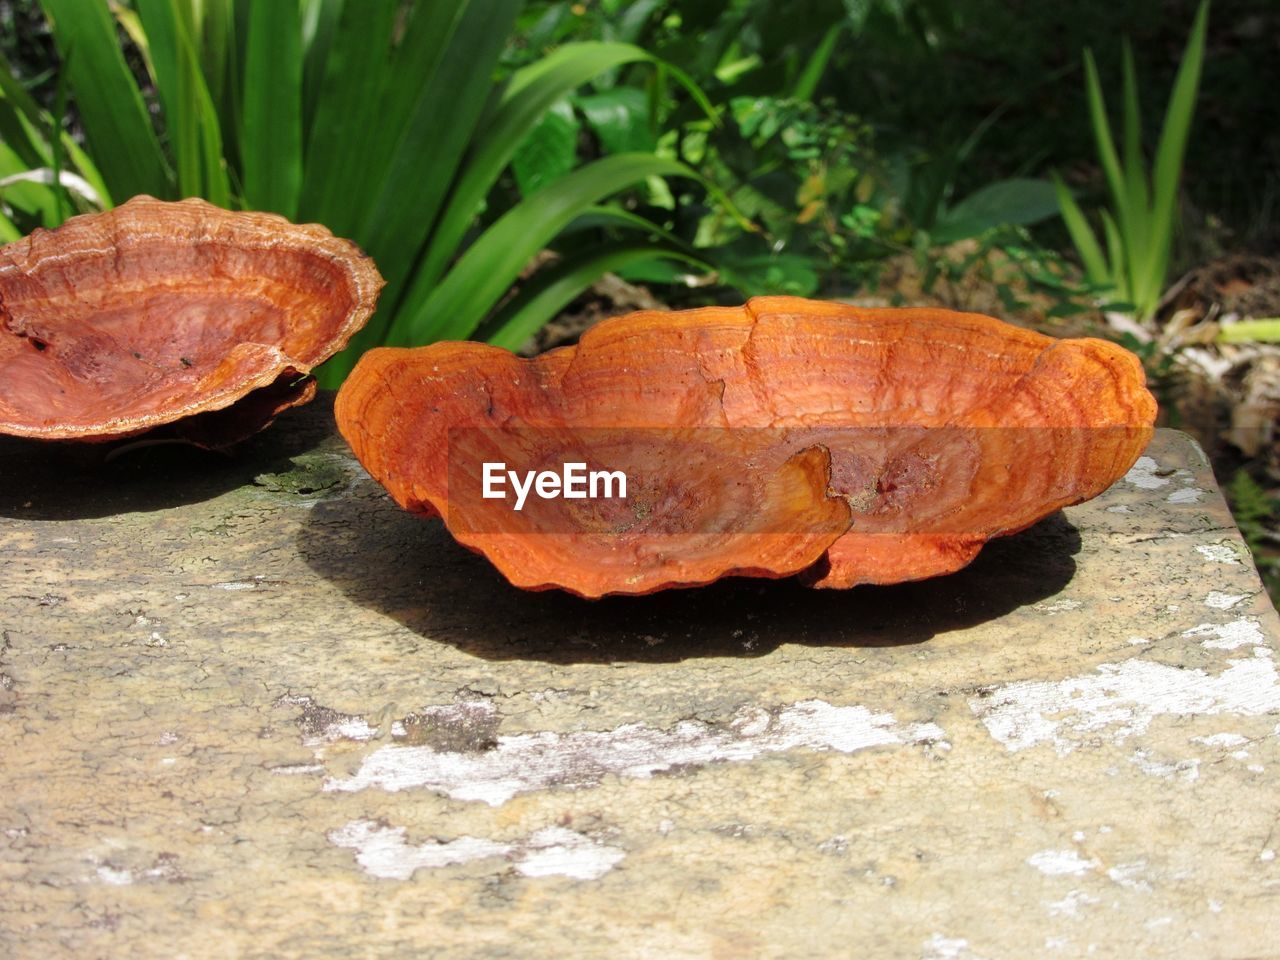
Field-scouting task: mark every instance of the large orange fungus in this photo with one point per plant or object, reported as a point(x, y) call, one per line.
point(161, 313)
point(784, 437)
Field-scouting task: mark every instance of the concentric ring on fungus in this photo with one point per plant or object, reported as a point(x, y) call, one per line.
point(784, 437)
point(158, 313)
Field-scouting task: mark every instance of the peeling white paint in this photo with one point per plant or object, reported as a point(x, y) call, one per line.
point(1223, 601)
point(1058, 606)
point(381, 851)
point(1185, 495)
point(114, 877)
point(938, 947)
point(537, 761)
point(345, 726)
point(1061, 863)
point(1221, 740)
point(1143, 475)
point(1166, 769)
point(298, 769)
point(1069, 906)
point(1130, 875)
point(1228, 636)
point(558, 851)
point(1119, 700)
point(1218, 553)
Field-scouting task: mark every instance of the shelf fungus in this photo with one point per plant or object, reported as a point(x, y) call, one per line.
point(177, 315)
point(785, 437)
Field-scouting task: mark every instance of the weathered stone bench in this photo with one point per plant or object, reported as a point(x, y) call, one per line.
point(250, 708)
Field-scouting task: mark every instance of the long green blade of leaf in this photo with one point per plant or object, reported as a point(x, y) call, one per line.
point(425, 160)
point(807, 84)
point(1169, 154)
point(356, 75)
point(190, 115)
point(1120, 267)
point(489, 267)
point(319, 32)
point(111, 110)
point(1086, 244)
point(554, 287)
point(15, 105)
point(8, 232)
point(1251, 331)
point(21, 121)
point(1102, 136)
point(528, 95)
point(271, 133)
point(1137, 203)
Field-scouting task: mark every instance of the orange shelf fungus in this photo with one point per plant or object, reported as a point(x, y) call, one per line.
point(785, 437)
point(161, 313)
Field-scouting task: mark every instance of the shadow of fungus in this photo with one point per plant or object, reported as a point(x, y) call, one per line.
point(412, 571)
point(66, 480)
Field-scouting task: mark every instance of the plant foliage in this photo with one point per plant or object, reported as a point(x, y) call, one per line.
point(392, 123)
point(1138, 227)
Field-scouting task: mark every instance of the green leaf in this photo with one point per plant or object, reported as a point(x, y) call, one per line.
point(271, 127)
point(487, 270)
point(1117, 253)
point(1169, 155)
point(1086, 244)
point(528, 94)
point(195, 137)
point(1137, 203)
point(807, 84)
point(110, 105)
point(555, 286)
point(319, 30)
point(620, 118)
point(1015, 202)
point(356, 74)
point(8, 232)
point(549, 151)
point(769, 274)
point(439, 126)
point(1102, 137)
point(1251, 331)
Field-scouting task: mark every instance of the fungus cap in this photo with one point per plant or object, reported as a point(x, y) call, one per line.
point(153, 313)
point(852, 445)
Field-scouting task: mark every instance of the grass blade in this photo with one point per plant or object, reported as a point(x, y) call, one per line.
point(1102, 136)
point(1169, 154)
point(195, 136)
point(319, 31)
point(1120, 266)
point(439, 127)
point(807, 84)
point(356, 76)
point(528, 95)
point(1095, 264)
point(1251, 331)
point(271, 129)
point(115, 119)
point(486, 271)
point(552, 288)
point(1138, 203)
